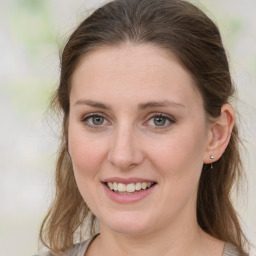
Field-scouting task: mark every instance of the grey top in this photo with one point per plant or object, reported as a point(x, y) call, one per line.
point(80, 250)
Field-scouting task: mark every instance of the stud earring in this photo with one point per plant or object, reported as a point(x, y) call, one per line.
point(212, 158)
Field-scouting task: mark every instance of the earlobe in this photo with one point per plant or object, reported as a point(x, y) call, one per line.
point(219, 134)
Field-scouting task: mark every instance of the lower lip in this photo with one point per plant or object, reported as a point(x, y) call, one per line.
point(128, 198)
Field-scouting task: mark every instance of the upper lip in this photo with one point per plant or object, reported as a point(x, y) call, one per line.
point(126, 180)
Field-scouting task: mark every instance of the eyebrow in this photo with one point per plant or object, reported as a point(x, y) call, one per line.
point(165, 103)
point(141, 106)
point(92, 103)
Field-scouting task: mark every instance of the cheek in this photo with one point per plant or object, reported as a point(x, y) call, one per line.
point(86, 156)
point(179, 162)
point(87, 153)
point(180, 157)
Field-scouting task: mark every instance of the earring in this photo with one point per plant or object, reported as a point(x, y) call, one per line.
point(212, 158)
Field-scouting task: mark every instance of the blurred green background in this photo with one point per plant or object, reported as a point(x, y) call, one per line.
point(31, 35)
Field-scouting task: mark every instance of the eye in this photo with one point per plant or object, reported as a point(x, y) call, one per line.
point(97, 120)
point(160, 120)
point(94, 120)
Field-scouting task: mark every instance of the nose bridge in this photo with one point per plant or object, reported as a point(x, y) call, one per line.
point(125, 151)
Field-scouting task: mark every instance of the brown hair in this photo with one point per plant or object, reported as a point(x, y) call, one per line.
point(185, 31)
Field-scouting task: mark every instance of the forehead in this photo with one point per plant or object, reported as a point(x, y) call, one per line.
point(133, 71)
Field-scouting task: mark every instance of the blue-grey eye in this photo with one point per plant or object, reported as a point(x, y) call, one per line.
point(97, 120)
point(159, 120)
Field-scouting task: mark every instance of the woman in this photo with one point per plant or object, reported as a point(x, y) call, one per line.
point(149, 150)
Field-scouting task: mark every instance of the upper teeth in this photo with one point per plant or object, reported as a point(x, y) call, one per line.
point(131, 187)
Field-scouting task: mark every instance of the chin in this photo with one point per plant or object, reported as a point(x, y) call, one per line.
point(127, 223)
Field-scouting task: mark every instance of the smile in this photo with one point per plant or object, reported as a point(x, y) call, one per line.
point(129, 188)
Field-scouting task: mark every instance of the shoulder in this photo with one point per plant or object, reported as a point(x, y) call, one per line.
point(78, 249)
point(74, 250)
point(43, 254)
point(232, 250)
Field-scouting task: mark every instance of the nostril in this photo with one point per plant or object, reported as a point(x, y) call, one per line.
point(124, 159)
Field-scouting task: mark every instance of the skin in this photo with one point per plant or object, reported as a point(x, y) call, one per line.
point(128, 143)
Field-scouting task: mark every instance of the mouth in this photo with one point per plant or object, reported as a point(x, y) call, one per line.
point(130, 188)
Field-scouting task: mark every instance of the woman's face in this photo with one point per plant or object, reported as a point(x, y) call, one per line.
point(137, 137)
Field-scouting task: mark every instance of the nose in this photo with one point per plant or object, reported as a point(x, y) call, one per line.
point(125, 151)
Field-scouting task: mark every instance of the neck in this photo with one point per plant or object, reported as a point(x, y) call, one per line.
point(191, 240)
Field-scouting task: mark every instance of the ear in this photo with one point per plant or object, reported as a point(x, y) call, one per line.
point(219, 134)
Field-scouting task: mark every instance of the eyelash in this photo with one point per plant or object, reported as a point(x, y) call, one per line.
point(169, 119)
point(161, 115)
point(87, 117)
